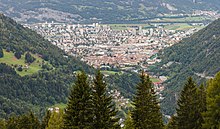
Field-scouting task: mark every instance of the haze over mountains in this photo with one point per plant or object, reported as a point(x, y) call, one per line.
point(110, 11)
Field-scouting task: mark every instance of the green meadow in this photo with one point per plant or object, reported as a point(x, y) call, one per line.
point(11, 60)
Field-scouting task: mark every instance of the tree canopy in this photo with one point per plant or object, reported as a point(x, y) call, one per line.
point(146, 113)
point(212, 115)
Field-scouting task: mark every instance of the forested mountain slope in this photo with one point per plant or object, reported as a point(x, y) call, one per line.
point(197, 56)
point(108, 11)
point(46, 87)
point(44, 81)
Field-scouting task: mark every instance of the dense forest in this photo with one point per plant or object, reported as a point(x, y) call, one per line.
point(19, 94)
point(196, 56)
point(91, 107)
point(49, 85)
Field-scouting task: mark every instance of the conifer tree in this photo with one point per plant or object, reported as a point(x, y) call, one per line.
point(78, 111)
point(1, 52)
point(2, 124)
point(104, 113)
point(129, 122)
point(17, 55)
point(201, 105)
point(56, 120)
point(28, 121)
point(46, 119)
point(12, 123)
point(146, 114)
point(29, 58)
point(187, 111)
point(212, 115)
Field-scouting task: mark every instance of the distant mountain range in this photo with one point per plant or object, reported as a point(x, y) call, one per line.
point(197, 56)
point(105, 11)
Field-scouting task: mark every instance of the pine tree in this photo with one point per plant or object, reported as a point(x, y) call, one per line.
point(201, 105)
point(2, 124)
point(212, 115)
point(146, 114)
point(78, 111)
point(129, 122)
point(46, 119)
point(17, 55)
point(1, 53)
point(187, 111)
point(103, 110)
point(28, 121)
point(29, 58)
point(12, 123)
point(56, 120)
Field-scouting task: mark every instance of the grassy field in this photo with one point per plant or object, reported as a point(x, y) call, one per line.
point(12, 61)
point(105, 72)
point(176, 26)
point(184, 19)
point(127, 26)
point(155, 79)
point(181, 26)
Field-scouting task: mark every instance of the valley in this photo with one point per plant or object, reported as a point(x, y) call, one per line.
point(132, 56)
point(124, 46)
point(121, 48)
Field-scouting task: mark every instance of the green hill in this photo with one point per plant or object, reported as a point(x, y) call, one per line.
point(197, 56)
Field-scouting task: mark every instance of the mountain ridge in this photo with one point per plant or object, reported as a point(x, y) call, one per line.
point(197, 56)
point(109, 11)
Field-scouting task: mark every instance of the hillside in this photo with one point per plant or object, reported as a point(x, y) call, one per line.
point(107, 11)
point(47, 80)
point(197, 56)
point(36, 87)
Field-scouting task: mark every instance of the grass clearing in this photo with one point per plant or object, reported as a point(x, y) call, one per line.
point(127, 26)
point(106, 72)
point(155, 80)
point(182, 19)
point(181, 26)
point(11, 60)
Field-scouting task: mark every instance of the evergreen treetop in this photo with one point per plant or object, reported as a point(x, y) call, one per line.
point(78, 111)
point(212, 115)
point(103, 109)
point(1, 52)
point(146, 114)
point(129, 124)
point(190, 106)
point(29, 58)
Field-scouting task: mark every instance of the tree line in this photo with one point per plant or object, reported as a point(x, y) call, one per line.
point(91, 107)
